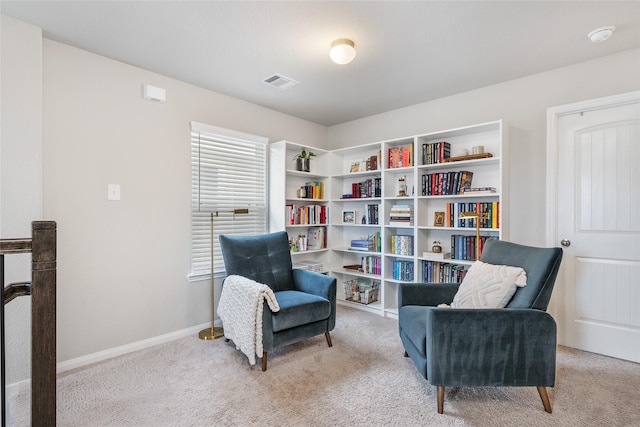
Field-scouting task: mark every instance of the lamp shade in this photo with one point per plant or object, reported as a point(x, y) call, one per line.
point(342, 51)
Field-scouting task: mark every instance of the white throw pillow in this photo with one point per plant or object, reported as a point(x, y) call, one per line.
point(488, 286)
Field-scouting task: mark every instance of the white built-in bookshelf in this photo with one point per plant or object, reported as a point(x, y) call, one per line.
point(298, 202)
point(390, 193)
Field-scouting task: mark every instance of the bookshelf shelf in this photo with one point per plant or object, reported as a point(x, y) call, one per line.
point(363, 174)
point(492, 161)
point(357, 199)
point(306, 175)
point(310, 251)
point(447, 260)
point(346, 249)
point(306, 200)
point(355, 273)
point(461, 196)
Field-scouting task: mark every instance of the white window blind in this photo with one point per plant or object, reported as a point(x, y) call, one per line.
point(228, 172)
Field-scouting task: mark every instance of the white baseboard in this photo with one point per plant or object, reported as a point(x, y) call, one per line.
point(13, 389)
point(79, 362)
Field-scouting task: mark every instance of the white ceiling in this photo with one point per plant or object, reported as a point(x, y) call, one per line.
point(407, 51)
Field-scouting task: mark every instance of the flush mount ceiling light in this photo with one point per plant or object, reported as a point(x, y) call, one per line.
point(601, 34)
point(342, 51)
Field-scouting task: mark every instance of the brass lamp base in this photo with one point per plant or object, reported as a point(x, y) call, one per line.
point(212, 333)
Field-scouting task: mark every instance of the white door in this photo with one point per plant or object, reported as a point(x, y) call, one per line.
point(598, 224)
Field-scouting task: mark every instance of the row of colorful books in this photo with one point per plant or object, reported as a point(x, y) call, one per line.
point(435, 152)
point(464, 247)
point(372, 214)
point(311, 190)
point(401, 244)
point(373, 243)
point(364, 189)
point(314, 238)
point(371, 265)
point(370, 163)
point(403, 270)
point(442, 272)
point(400, 157)
point(401, 215)
point(489, 214)
point(306, 214)
point(446, 183)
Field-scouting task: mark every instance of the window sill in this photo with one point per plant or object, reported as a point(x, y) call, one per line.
point(198, 277)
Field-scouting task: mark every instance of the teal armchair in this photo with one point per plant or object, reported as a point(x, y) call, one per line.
point(307, 299)
point(511, 346)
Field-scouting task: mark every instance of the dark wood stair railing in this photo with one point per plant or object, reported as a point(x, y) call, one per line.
point(42, 289)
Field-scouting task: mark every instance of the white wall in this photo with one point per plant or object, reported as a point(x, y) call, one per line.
point(20, 173)
point(123, 265)
point(522, 104)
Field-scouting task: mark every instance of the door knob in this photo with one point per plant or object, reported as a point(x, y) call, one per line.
point(565, 242)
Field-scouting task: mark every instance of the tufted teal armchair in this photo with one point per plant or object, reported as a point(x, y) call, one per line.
point(307, 299)
point(511, 346)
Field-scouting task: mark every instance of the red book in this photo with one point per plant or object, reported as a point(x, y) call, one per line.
point(395, 157)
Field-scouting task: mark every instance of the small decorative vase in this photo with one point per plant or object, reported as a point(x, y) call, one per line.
point(436, 249)
point(302, 165)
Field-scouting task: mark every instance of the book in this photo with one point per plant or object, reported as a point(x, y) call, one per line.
point(400, 157)
point(401, 215)
point(395, 157)
point(479, 190)
point(316, 238)
point(359, 245)
point(436, 255)
point(372, 213)
point(465, 181)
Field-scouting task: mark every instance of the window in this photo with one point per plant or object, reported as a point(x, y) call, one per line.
point(228, 172)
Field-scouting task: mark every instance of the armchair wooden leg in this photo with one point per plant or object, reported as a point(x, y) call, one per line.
point(328, 337)
point(440, 392)
point(406, 354)
point(542, 391)
point(264, 361)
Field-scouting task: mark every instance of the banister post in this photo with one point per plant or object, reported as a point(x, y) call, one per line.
point(43, 324)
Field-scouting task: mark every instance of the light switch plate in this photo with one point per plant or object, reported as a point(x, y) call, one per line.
point(113, 192)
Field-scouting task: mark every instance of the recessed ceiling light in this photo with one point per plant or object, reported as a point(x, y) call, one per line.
point(601, 34)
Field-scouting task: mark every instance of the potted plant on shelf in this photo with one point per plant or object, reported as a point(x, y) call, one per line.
point(303, 160)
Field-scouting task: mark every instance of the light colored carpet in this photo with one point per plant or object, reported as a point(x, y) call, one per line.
point(362, 380)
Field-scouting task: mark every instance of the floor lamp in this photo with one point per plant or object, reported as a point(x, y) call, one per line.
point(215, 332)
point(477, 216)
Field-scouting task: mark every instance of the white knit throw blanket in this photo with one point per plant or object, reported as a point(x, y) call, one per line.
point(240, 309)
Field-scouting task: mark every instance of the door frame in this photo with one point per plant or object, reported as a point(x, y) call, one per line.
point(553, 117)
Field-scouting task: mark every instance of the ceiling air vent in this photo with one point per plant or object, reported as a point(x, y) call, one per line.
point(280, 82)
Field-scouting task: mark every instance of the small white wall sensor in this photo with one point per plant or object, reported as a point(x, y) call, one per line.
point(153, 93)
